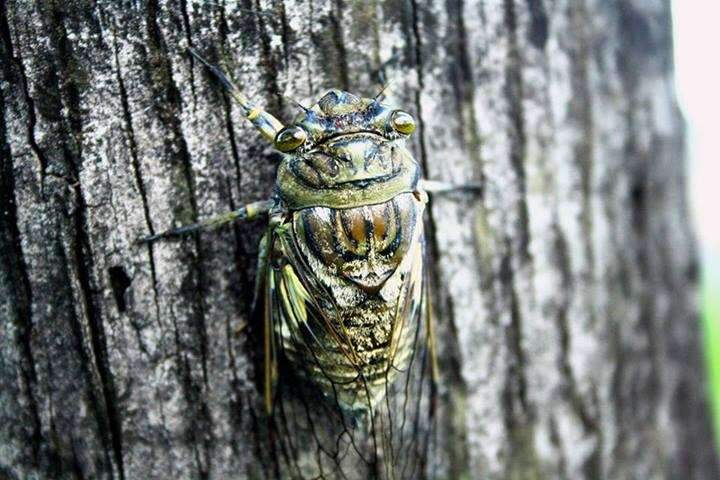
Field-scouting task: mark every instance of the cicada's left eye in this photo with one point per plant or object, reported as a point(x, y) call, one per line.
point(290, 138)
point(402, 122)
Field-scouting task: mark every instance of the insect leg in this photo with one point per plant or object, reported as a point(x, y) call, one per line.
point(268, 125)
point(248, 212)
point(435, 186)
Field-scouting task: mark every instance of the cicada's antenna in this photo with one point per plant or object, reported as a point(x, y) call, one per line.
point(381, 94)
point(298, 105)
point(268, 125)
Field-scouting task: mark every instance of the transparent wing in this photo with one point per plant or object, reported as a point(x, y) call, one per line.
point(392, 438)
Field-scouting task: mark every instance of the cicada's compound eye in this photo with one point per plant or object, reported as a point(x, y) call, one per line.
point(290, 138)
point(402, 122)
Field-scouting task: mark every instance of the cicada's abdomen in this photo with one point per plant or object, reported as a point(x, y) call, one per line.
point(363, 266)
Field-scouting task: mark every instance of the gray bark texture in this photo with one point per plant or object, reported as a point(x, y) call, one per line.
point(565, 293)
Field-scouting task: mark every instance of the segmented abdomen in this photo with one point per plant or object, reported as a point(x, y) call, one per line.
point(364, 245)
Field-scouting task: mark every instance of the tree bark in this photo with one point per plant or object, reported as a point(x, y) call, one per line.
point(565, 293)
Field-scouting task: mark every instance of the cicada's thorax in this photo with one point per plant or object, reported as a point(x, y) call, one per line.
point(353, 242)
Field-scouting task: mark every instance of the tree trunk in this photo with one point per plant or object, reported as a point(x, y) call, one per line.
point(565, 293)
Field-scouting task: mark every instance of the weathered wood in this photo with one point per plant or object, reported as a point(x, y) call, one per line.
point(565, 294)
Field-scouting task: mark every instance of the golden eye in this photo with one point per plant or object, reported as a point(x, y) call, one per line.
point(402, 122)
point(290, 138)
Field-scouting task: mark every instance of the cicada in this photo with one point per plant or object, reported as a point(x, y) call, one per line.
point(341, 278)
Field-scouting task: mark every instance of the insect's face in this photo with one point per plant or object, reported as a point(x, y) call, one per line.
point(340, 113)
point(346, 143)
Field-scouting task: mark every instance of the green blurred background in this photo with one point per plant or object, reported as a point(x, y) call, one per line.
point(711, 324)
point(698, 89)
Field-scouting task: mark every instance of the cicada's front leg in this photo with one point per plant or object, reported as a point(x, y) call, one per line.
point(268, 125)
point(248, 212)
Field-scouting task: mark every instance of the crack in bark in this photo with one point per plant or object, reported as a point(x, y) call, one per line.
point(514, 93)
point(336, 22)
point(81, 245)
point(95, 404)
point(230, 129)
point(516, 388)
point(452, 370)
point(235, 404)
point(461, 76)
point(137, 170)
point(275, 102)
point(110, 433)
point(188, 37)
point(593, 464)
point(16, 282)
point(85, 268)
point(580, 56)
point(538, 34)
point(31, 123)
point(285, 35)
point(168, 104)
point(638, 194)
point(518, 414)
point(227, 106)
point(239, 247)
point(197, 435)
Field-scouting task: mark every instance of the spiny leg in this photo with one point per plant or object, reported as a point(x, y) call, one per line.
point(248, 212)
point(439, 187)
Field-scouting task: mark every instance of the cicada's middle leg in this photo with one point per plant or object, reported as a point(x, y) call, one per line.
point(439, 187)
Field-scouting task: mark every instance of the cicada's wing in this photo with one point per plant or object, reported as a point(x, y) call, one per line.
point(288, 306)
point(405, 422)
point(307, 306)
point(265, 291)
point(408, 303)
point(427, 308)
point(269, 359)
point(388, 440)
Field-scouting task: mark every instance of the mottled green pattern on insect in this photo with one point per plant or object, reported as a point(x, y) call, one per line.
point(341, 273)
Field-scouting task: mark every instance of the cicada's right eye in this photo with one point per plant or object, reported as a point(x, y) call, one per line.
point(402, 122)
point(290, 138)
